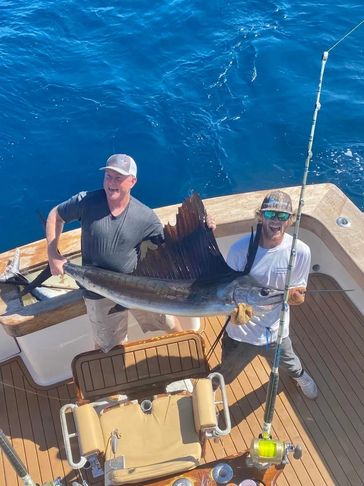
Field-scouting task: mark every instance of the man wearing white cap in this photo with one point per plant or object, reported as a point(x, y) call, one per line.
point(113, 225)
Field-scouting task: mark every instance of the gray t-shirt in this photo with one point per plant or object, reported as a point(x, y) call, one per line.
point(106, 241)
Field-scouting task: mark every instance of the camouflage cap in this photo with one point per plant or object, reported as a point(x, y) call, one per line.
point(277, 201)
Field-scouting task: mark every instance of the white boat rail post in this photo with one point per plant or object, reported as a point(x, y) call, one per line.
point(259, 447)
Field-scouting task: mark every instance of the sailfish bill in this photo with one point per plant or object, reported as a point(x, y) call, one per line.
point(185, 276)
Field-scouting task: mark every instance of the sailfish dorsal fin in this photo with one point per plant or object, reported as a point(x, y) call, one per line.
point(190, 250)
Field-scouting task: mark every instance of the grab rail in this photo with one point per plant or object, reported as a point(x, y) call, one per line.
point(67, 436)
point(220, 379)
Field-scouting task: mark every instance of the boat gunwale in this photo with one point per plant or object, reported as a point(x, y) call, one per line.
point(324, 203)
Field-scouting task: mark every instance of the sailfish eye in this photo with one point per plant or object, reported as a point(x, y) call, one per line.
point(264, 292)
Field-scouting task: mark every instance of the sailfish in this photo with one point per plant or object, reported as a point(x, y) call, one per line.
point(185, 276)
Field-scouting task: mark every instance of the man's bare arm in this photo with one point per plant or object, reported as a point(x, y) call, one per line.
point(54, 228)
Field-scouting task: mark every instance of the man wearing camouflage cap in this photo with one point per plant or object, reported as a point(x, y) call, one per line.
point(242, 342)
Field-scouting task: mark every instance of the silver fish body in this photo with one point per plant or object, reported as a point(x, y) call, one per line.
point(201, 297)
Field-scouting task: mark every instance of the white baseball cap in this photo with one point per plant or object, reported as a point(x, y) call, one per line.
point(122, 163)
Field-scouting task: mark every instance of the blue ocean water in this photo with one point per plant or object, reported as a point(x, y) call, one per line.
point(212, 96)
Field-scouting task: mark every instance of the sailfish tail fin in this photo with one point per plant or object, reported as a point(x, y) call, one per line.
point(12, 275)
point(44, 275)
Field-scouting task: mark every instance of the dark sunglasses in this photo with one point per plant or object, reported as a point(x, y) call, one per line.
point(276, 214)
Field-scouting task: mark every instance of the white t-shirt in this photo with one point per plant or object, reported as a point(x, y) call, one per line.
point(269, 269)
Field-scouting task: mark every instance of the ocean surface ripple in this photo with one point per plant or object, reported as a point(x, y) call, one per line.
point(215, 97)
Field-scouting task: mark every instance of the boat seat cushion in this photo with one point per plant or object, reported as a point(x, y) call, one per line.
point(204, 411)
point(166, 440)
point(88, 427)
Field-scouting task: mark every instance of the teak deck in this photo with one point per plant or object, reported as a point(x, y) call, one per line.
point(328, 334)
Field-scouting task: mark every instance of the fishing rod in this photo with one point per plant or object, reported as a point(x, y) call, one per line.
point(18, 465)
point(265, 450)
point(274, 376)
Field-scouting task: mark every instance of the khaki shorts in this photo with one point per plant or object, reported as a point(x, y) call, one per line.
point(109, 330)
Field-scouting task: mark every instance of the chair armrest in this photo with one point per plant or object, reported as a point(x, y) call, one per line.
point(89, 432)
point(204, 412)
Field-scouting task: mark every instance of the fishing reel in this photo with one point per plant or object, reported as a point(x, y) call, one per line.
point(266, 451)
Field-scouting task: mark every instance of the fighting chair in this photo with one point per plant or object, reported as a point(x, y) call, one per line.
point(138, 430)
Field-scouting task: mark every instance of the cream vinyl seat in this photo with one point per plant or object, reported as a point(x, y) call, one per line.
point(146, 433)
point(140, 445)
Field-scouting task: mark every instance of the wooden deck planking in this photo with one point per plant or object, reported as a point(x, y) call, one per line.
point(319, 340)
point(333, 427)
point(244, 430)
point(294, 429)
point(283, 429)
point(328, 334)
point(258, 379)
point(332, 411)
